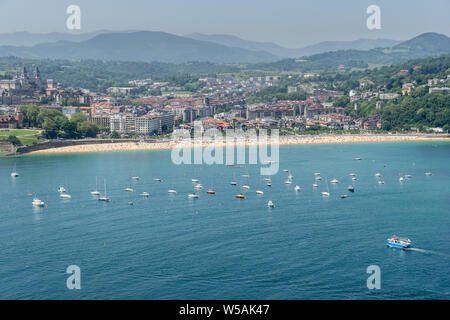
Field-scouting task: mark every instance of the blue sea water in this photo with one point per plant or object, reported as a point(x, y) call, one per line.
point(219, 247)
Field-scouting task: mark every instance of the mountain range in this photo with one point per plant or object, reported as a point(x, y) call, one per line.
point(283, 52)
point(149, 46)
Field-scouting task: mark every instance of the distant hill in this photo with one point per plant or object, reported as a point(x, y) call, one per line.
point(422, 46)
point(149, 46)
point(283, 52)
point(139, 46)
point(28, 39)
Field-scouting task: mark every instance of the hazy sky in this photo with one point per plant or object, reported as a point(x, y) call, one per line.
point(292, 23)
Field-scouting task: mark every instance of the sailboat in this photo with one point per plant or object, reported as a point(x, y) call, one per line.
point(95, 192)
point(105, 197)
point(297, 188)
point(326, 193)
point(14, 174)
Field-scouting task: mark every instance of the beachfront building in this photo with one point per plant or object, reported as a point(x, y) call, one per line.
point(147, 125)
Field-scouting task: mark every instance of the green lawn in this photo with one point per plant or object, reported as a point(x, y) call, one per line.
point(26, 137)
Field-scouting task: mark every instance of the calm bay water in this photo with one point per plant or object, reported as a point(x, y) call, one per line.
point(218, 247)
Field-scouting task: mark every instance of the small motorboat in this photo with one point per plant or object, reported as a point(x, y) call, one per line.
point(381, 182)
point(317, 173)
point(14, 174)
point(65, 196)
point(290, 177)
point(171, 191)
point(269, 184)
point(267, 179)
point(428, 173)
point(334, 181)
point(285, 170)
point(157, 179)
point(246, 187)
point(145, 194)
point(297, 188)
point(318, 178)
point(351, 188)
point(343, 196)
point(38, 203)
point(357, 158)
point(245, 176)
point(129, 189)
point(378, 175)
point(288, 182)
point(259, 192)
point(61, 190)
point(195, 180)
point(352, 174)
point(130, 203)
point(233, 183)
point(315, 185)
point(397, 242)
point(240, 196)
point(401, 179)
point(198, 186)
point(354, 178)
point(270, 204)
point(210, 192)
point(193, 196)
point(325, 194)
point(408, 176)
point(135, 178)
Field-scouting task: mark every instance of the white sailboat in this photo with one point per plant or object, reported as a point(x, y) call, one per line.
point(259, 192)
point(96, 192)
point(326, 193)
point(14, 173)
point(297, 188)
point(104, 197)
point(65, 196)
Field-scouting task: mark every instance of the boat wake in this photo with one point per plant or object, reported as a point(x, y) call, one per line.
point(428, 251)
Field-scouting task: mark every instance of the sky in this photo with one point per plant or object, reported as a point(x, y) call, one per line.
point(290, 23)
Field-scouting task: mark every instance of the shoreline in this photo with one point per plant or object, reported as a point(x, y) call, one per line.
point(284, 140)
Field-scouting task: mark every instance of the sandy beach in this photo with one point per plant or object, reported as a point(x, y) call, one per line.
point(283, 140)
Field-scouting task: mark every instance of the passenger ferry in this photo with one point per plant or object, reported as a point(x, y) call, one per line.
point(398, 242)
